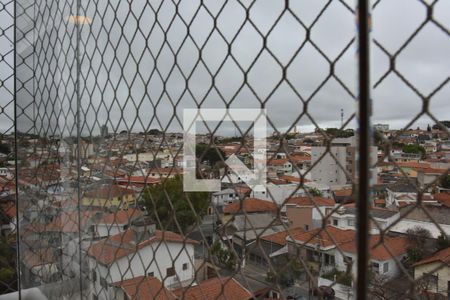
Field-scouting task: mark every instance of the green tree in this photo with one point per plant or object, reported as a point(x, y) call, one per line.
point(315, 192)
point(445, 181)
point(442, 242)
point(7, 267)
point(168, 204)
point(414, 149)
point(211, 154)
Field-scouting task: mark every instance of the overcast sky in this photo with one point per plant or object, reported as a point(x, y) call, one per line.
point(109, 84)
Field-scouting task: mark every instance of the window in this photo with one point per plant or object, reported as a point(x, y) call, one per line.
point(103, 282)
point(94, 275)
point(170, 272)
point(348, 259)
point(431, 281)
point(185, 266)
point(386, 267)
point(151, 274)
point(351, 222)
point(335, 222)
point(306, 227)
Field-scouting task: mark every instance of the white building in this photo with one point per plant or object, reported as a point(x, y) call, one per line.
point(140, 251)
point(340, 169)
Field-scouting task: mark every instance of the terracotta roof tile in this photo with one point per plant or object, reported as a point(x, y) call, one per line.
point(215, 288)
point(120, 217)
point(250, 205)
point(145, 288)
point(329, 237)
point(443, 198)
point(396, 245)
point(280, 237)
point(120, 245)
point(306, 201)
point(440, 256)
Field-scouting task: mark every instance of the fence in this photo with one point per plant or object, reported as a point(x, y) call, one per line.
point(95, 93)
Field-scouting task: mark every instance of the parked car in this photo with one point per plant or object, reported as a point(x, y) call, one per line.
point(325, 291)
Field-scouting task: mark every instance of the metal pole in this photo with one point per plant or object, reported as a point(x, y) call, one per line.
point(364, 146)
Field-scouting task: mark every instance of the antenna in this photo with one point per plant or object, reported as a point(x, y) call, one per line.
point(342, 117)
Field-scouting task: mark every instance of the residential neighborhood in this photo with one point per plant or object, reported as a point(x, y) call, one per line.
point(131, 232)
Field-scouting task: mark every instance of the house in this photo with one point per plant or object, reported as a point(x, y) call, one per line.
point(215, 288)
point(279, 166)
point(142, 288)
point(434, 273)
point(141, 250)
point(224, 197)
point(411, 217)
point(308, 213)
point(335, 249)
point(272, 246)
point(250, 206)
point(345, 218)
point(114, 223)
point(109, 196)
point(398, 190)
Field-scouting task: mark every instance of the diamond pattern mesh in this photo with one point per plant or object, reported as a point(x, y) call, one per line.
point(100, 91)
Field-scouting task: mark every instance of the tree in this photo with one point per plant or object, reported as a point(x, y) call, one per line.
point(445, 181)
point(417, 236)
point(315, 192)
point(168, 204)
point(7, 270)
point(412, 148)
point(210, 154)
point(444, 123)
point(442, 242)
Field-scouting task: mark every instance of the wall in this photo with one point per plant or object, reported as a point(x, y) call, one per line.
point(443, 275)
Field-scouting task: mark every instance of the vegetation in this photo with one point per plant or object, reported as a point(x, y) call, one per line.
point(445, 181)
point(208, 153)
point(444, 123)
point(340, 277)
point(7, 271)
point(286, 273)
point(315, 192)
point(414, 149)
point(339, 133)
point(167, 204)
point(417, 238)
point(442, 242)
point(223, 256)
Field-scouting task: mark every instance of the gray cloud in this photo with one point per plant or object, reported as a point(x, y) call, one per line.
point(114, 52)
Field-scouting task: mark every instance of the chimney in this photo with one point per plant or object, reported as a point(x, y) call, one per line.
point(144, 228)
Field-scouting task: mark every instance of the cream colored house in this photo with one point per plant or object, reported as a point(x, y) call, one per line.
point(434, 273)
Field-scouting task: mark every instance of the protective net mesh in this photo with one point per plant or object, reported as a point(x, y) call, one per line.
point(101, 88)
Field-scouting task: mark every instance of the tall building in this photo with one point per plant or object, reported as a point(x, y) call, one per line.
point(331, 170)
point(104, 130)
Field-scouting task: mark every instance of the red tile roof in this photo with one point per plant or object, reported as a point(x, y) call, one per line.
point(145, 288)
point(250, 205)
point(120, 216)
point(277, 162)
point(413, 165)
point(440, 256)
point(328, 237)
point(108, 192)
point(397, 246)
point(280, 237)
point(315, 201)
point(443, 198)
point(215, 288)
point(120, 245)
point(69, 221)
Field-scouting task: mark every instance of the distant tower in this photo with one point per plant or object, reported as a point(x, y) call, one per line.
point(104, 131)
point(342, 117)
